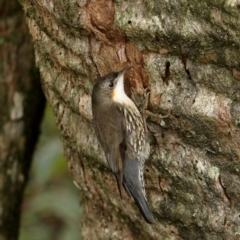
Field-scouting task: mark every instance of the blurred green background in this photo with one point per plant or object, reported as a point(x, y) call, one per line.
point(50, 209)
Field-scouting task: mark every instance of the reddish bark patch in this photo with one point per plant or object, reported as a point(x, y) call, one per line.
point(101, 21)
point(115, 52)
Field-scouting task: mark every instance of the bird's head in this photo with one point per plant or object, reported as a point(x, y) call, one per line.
point(110, 88)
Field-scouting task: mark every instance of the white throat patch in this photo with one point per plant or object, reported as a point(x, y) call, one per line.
point(119, 95)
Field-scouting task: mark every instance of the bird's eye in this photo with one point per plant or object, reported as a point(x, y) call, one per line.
point(110, 84)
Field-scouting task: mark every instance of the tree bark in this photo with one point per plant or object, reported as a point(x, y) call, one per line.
point(21, 109)
point(187, 52)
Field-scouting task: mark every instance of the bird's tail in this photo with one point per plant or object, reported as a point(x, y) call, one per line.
point(131, 177)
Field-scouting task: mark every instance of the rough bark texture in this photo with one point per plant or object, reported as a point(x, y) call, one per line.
point(188, 53)
point(21, 107)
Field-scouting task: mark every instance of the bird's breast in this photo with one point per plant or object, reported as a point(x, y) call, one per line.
point(135, 133)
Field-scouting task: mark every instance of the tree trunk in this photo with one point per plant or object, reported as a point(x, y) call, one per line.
point(21, 108)
point(187, 52)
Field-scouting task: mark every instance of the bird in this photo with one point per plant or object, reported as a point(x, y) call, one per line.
point(120, 131)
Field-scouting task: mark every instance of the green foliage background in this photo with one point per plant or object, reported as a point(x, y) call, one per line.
point(51, 207)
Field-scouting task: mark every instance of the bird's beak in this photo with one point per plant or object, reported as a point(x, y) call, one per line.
point(121, 73)
point(124, 70)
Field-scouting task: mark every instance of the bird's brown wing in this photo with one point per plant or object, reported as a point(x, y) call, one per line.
point(110, 132)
